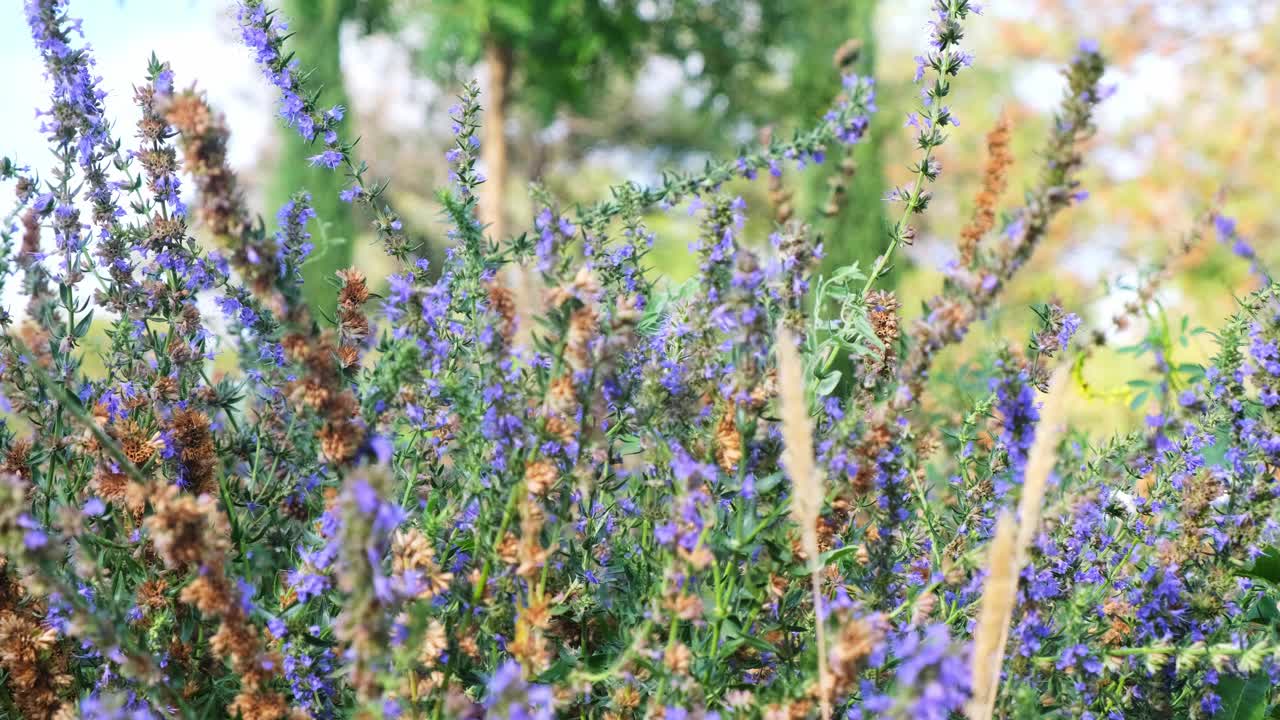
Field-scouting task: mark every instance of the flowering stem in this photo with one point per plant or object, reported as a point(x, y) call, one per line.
point(71, 405)
point(895, 237)
point(676, 187)
point(947, 32)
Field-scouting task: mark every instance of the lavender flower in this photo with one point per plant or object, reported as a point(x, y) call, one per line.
point(510, 697)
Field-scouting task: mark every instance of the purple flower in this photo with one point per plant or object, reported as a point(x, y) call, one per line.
point(933, 673)
point(350, 194)
point(1019, 414)
point(366, 497)
point(308, 584)
point(382, 449)
point(261, 32)
point(509, 696)
point(665, 533)
point(34, 539)
point(329, 158)
point(1225, 226)
point(1070, 323)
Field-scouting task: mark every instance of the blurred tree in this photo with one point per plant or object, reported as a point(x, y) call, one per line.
point(547, 53)
point(558, 55)
point(749, 62)
point(848, 194)
point(788, 82)
point(316, 26)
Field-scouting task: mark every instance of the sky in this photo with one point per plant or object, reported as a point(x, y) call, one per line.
point(196, 36)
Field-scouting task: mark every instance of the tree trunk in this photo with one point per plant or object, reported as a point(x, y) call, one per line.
point(493, 147)
point(521, 280)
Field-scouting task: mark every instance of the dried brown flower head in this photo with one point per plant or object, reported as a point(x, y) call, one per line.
point(197, 457)
point(502, 301)
point(847, 54)
point(677, 658)
point(411, 552)
point(583, 329)
point(539, 476)
point(994, 181)
point(34, 662)
point(16, 459)
point(203, 138)
point(728, 442)
point(187, 531)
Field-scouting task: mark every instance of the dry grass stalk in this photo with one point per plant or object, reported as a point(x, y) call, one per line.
point(806, 485)
point(994, 611)
point(1040, 462)
point(1008, 554)
point(797, 436)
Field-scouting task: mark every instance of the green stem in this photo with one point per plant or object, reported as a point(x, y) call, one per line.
point(616, 666)
point(478, 591)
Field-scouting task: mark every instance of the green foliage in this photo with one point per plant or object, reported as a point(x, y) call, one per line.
point(1244, 698)
point(846, 335)
point(316, 25)
point(414, 514)
point(562, 49)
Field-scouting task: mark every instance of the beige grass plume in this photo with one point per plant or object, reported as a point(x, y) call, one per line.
point(806, 486)
point(994, 611)
point(1008, 554)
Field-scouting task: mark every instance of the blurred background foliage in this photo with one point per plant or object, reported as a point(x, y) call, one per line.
point(565, 80)
point(590, 93)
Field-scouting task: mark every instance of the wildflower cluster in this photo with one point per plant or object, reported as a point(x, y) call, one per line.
point(629, 500)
